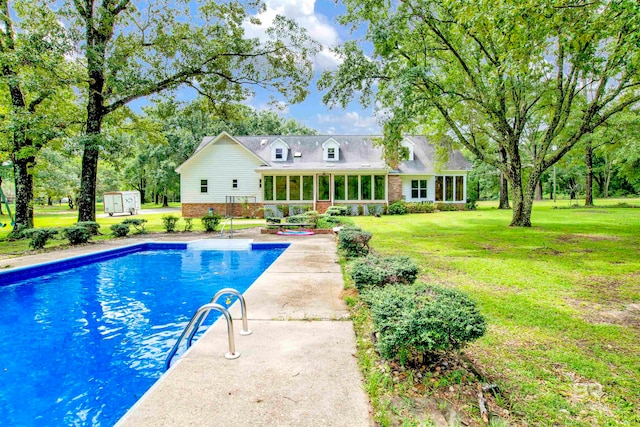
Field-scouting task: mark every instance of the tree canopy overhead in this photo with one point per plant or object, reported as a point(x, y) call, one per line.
point(136, 49)
point(493, 76)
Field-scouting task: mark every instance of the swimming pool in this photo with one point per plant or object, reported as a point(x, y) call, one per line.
point(82, 340)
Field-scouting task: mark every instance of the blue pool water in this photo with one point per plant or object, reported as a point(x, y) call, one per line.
point(79, 346)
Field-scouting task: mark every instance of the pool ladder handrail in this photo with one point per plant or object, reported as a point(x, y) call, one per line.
point(199, 317)
point(229, 219)
point(243, 310)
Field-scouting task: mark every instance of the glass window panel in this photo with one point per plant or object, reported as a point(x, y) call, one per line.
point(379, 187)
point(307, 187)
point(268, 188)
point(414, 184)
point(281, 188)
point(448, 188)
point(279, 153)
point(423, 188)
point(338, 187)
point(331, 153)
point(352, 187)
point(204, 186)
point(439, 188)
point(294, 188)
point(459, 188)
point(365, 187)
point(324, 187)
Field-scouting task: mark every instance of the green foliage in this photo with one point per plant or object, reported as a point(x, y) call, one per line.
point(376, 271)
point(423, 320)
point(328, 222)
point(77, 234)
point(420, 207)
point(120, 230)
point(471, 205)
point(374, 209)
point(447, 207)
point(169, 222)
point(39, 236)
point(298, 210)
point(188, 224)
point(273, 220)
point(92, 226)
point(137, 223)
point(337, 211)
point(210, 222)
point(397, 208)
point(353, 241)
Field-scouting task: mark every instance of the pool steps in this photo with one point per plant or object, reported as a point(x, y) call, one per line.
point(199, 317)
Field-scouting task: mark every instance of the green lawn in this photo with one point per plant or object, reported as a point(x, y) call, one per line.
point(562, 299)
point(61, 216)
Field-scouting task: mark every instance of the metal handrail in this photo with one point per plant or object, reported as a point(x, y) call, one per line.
point(230, 219)
point(194, 324)
point(243, 310)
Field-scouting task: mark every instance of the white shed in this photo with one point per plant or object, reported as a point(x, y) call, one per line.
point(121, 202)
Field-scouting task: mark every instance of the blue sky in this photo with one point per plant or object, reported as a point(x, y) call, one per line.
point(319, 18)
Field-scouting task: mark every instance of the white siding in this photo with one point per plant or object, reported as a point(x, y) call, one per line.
point(220, 164)
point(406, 187)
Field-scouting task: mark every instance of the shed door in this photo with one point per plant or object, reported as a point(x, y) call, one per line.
point(117, 203)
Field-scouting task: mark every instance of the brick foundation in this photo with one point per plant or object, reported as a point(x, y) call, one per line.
point(198, 210)
point(321, 207)
point(395, 188)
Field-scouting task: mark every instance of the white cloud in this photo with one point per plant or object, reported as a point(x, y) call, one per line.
point(350, 122)
point(317, 25)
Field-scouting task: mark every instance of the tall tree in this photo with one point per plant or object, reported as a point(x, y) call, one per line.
point(482, 73)
point(133, 52)
point(35, 83)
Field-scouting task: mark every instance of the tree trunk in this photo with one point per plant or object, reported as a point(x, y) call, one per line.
point(24, 192)
point(504, 187)
point(165, 200)
point(538, 195)
point(588, 198)
point(522, 199)
point(607, 180)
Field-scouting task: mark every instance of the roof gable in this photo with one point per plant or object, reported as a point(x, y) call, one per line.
point(209, 141)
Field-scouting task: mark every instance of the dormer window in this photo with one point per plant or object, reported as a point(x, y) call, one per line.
point(406, 143)
point(279, 151)
point(331, 150)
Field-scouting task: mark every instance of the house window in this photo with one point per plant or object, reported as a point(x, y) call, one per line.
point(338, 187)
point(439, 188)
point(281, 188)
point(294, 188)
point(365, 187)
point(331, 153)
point(352, 187)
point(234, 183)
point(379, 187)
point(268, 188)
point(307, 187)
point(448, 180)
point(278, 153)
point(204, 185)
point(324, 187)
point(419, 189)
point(459, 189)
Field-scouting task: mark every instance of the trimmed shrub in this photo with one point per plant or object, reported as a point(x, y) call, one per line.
point(447, 207)
point(420, 207)
point(420, 319)
point(77, 234)
point(138, 224)
point(298, 219)
point(169, 222)
point(376, 271)
point(188, 224)
point(354, 241)
point(298, 209)
point(39, 236)
point(92, 226)
point(374, 210)
point(210, 222)
point(471, 205)
point(397, 208)
point(120, 230)
point(337, 211)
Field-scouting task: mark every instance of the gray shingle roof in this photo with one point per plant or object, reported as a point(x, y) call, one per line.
point(356, 152)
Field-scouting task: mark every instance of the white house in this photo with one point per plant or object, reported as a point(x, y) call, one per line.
point(314, 172)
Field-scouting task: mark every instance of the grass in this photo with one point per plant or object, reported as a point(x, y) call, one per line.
point(62, 216)
point(562, 300)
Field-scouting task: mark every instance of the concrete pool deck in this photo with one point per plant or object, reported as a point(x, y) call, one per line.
point(297, 368)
